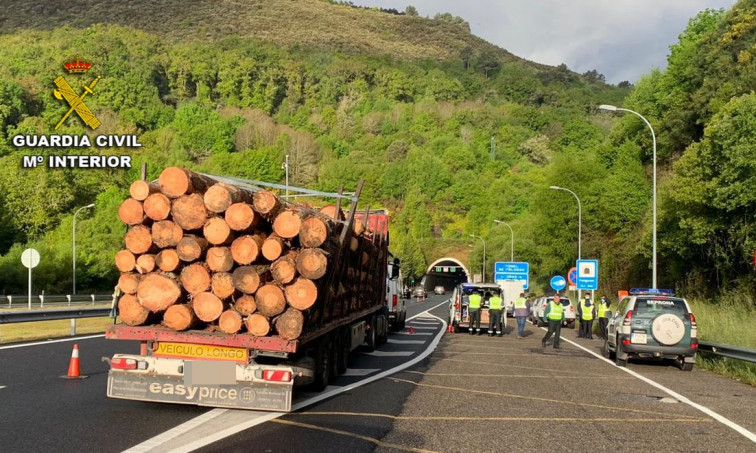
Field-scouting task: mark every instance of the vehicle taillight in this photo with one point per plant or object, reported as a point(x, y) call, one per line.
point(122, 363)
point(393, 300)
point(276, 375)
point(692, 318)
point(456, 306)
point(628, 318)
point(626, 341)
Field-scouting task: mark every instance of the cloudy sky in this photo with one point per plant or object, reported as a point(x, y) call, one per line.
point(622, 39)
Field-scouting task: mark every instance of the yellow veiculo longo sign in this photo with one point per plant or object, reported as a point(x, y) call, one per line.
point(201, 351)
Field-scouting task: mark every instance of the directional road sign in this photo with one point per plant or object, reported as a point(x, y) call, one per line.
point(558, 282)
point(587, 278)
point(513, 271)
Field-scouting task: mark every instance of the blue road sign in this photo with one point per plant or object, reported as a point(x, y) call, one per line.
point(587, 278)
point(558, 282)
point(513, 271)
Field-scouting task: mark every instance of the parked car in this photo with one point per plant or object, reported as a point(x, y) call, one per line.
point(653, 323)
point(420, 292)
point(439, 290)
point(538, 308)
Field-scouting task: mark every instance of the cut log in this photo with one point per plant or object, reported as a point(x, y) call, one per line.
point(220, 196)
point(207, 306)
point(266, 203)
point(222, 285)
point(273, 247)
point(241, 217)
point(313, 232)
point(354, 244)
point(167, 260)
point(138, 239)
point(333, 212)
point(195, 278)
point(287, 224)
point(219, 259)
point(230, 322)
point(156, 292)
point(140, 190)
point(131, 312)
point(166, 234)
point(131, 212)
point(257, 325)
point(246, 249)
point(179, 317)
point(312, 263)
point(125, 261)
point(191, 248)
point(145, 263)
point(284, 269)
point(175, 182)
point(246, 305)
point(301, 294)
point(358, 227)
point(128, 283)
point(157, 206)
point(247, 278)
point(216, 231)
point(189, 212)
point(289, 325)
point(270, 300)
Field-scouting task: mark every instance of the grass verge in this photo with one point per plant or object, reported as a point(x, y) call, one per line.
point(24, 331)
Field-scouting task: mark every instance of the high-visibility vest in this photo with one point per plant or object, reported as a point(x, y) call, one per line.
point(602, 308)
point(555, 310)
point(495, 303)
point(475, 301)
point(520, 303)
point(587, 311)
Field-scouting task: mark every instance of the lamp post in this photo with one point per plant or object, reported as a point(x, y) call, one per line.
point(511, 253)
point(484, 255)
point(613, 108)
point(580, 223)
point(74, 243)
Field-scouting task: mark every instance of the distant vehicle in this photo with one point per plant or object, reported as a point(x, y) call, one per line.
point(538, 309)
point(653, 323)
point(407, 292)
point(458, 318)
point(439, 290)
point(511, 290)
point(420, 292)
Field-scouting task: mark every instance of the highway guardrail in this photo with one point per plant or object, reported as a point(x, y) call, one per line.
point(725, 350)
point(7, 317)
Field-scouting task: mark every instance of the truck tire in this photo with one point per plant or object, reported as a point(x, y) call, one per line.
point(370, 336)
point(322, 364)
point(382, 336)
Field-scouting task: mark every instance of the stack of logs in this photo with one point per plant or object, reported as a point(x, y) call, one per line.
point(203, 254)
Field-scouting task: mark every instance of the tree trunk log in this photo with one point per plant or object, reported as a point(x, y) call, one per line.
point(284, 269)
point(230, 322)
point(145, 264)
point(125, 261)
point(266, 203)
point(132, 313)
point(139, 239)
point(219, 259)
point(354, 244)
point(140, 190)
point(289, 325)
point(220, 196)
point(313, 232)
point(167, 260)
point(217, 232)
point(301, 294)
point(333, 212)
point(189, 212)
point(312, 263)
point(287, 224)
point(175, 182)
point(128, 283)
point(223, 285)
point(248, 278)
point(166, 234)
point(241, 217)
point(246, 305)
point(257, 324)
point(131, 212)
point(246, 249)
point(195, 278)
point(179, 317)
point(207, 306)
point(157, 206)
point(270, 300)
point(191, 248)
point(273, 247)
point(156, 292)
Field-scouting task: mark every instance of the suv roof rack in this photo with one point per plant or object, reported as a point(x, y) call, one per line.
point(651, 292)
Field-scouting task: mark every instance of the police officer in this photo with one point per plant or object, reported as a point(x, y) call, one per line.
point(495, 304)
point(555, 316)
point(603, 315)
point(473, 308)
point(586, 312)
point(521, 311)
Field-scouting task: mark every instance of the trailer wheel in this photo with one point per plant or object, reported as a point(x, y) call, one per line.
point(383, 335)
point(322, 364)
point(342, 362)
point(370, 337)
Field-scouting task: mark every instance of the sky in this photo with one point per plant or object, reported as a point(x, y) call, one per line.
point(622, 39)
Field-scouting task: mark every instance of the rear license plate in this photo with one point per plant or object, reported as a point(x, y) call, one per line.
point(201, 351)
point(640, 338)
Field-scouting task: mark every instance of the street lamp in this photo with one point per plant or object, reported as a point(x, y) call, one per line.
point(74, 243)
point(484, 255)
point(612, 108)
point(580, 223)
point(511, 254)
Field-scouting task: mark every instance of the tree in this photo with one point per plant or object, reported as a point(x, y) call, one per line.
point(410, 11)
point(594, 76)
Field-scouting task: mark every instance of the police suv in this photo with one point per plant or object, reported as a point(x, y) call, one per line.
point(652, 323)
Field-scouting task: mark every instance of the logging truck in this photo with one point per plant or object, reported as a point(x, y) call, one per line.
point(237, 296)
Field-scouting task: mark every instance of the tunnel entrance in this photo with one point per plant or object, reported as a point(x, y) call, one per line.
point(447, 272)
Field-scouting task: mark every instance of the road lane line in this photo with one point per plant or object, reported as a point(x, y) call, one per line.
point(391, 340)
point(504, 419)
point(520, 375)
point(725, 421)
point(421, 334)
point(37, 343)
point(424, 328)
point(360, 371)
point(389, 353)
point(2, 386)
point(556, 372)
point(425, 323)
point(175, 432)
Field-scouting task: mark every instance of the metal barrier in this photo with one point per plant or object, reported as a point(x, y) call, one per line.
point(8, 317)
point(47, 300)
point(724, 350)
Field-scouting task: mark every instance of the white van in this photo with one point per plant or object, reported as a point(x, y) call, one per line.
point(394, 294)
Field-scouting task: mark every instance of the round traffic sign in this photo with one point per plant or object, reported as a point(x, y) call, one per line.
point(558, 282)
point(30, 258)
point(572, 276)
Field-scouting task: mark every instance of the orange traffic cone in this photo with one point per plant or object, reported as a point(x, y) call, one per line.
point(411, 329)
point(451, 329)
point(74, 370)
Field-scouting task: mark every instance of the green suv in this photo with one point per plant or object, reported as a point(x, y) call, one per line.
point(652, 323)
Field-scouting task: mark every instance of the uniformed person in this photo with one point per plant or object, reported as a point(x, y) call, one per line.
point(521, 311)
point(495, 305)
point(603, 315)
point(586, 312)
point(473, 310)
point(554, 316)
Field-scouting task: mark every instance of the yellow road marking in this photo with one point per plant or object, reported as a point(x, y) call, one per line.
point(498, 419)
point(356, 436)
point(445, 359)
point(519, 375)
point(534, 398)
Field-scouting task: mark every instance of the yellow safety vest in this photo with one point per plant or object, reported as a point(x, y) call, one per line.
point(495, 303)
point(602, 309)
point(520, 303)
point(475, 301)
point(556, 310)
point(587, 312)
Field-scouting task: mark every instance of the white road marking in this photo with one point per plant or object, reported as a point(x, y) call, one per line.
point(423, 328)
point(416, 333)
point(37, 343)
point(391, 340)
point(2, 386)
point(424, 323)
point(390, 353)
point(247, 419)
point(359, 371)
point(729, 423)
